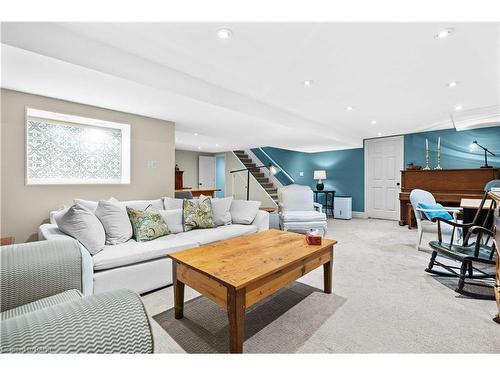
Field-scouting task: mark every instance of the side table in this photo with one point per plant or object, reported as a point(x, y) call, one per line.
point(329, 200)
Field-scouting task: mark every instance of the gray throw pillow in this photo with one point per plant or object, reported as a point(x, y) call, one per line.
point(89, 205)
point(175, 203)
point(114, 218)
point(84, 226)
point(141, 205)
point(220, 210)
point(244, 212)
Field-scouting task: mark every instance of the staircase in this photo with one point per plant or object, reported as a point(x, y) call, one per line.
point(259, 176)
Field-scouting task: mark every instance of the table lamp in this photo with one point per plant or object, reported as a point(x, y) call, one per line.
point(320, 175)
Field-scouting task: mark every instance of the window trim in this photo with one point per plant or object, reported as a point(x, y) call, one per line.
point(64, 118)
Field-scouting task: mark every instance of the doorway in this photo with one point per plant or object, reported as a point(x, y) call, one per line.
point(383, 163)
point(206, 172)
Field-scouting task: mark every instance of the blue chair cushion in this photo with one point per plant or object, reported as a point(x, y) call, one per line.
point(435, 206)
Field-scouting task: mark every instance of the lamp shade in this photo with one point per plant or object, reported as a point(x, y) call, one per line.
point(319, 175)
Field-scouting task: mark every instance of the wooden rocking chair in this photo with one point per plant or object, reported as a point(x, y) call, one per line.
point(468, 253)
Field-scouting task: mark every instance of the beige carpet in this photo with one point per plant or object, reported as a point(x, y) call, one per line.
point(383, 302)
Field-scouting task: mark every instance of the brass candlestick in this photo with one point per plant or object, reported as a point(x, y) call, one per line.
point(426, 168)
point(438, 166)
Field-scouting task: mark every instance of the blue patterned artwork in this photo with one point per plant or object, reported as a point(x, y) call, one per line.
point(65, 153)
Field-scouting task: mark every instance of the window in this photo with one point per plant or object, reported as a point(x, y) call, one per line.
point(66, 149)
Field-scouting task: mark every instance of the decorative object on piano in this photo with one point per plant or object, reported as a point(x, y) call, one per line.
point(426, 168)
point(412, 167)
point(474, 145)
point(320, 175)
point(177, 167)
point(438, 166)
point(313, 237)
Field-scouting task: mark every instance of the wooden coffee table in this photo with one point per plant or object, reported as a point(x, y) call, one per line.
point(240, 272)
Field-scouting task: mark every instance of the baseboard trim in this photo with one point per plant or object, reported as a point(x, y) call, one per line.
point(359, 214)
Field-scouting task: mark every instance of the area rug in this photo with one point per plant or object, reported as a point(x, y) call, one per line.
point(281, 323)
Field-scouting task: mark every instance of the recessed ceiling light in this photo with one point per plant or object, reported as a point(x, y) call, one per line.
point(373, 122)
point(216, 145)
point(452, 84)
point(458, 107)
point(445, 33)
point(348, 108)
point(199, 147)
point(195, 134)
point(379, 134)
point(224, 34)
point(308, 82)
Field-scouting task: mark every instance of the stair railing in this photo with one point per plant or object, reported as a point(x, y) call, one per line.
point(273, 162)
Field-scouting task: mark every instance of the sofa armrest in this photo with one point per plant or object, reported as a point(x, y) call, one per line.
point(111, 322)
point(51, 232)
point(35, 270)
point(261, 220)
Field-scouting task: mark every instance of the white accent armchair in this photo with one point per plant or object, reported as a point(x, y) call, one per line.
point(423, 224)
point(297, 210)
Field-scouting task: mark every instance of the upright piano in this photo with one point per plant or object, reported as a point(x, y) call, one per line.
point(448, 186)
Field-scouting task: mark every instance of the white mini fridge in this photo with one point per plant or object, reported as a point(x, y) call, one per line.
point(343, 207)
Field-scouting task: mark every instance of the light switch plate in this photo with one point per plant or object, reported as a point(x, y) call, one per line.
point(301, 174)
point(152, 164)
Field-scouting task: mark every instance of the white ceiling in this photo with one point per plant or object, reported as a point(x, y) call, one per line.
point(248, 91)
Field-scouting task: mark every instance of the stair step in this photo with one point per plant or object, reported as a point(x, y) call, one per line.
point(259, 175)
point(268, 185)
point(249, 165)
point(262, 180)
point(239, 151)
point(272, 191)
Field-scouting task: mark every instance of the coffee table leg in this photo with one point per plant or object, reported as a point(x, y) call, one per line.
point(236, 315)
point(327, 274)
point(178, 293)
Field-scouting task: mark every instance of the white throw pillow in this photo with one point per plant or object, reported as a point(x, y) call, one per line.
point(114, 218)
point(89, 205)
point(141, 205)
point(173, 218)
point(174, 203)
point(220, 209)
point(58, 213)
point(244, 212)
point(83, 225)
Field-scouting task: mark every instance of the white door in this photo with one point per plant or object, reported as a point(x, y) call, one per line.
point(206, 171)
point(383, 163)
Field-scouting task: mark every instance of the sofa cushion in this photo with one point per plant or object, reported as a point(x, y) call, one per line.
point(303, 216)
point(173, 218)
point(143, 204)
point(147, 224)
point(197, 214)
point(83, 225)
point(204, 236)
point(115, 221)
point(244, 212)
point(220, 209)
point(132, 252)
point(175, 203)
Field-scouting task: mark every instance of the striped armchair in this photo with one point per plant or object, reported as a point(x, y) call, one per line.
point(43, 310)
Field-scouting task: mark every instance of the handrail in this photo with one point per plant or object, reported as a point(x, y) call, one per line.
point(276, 164)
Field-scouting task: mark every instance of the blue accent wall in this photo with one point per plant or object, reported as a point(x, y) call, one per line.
point(344, 170)
point(455, 151)
point(220, 175)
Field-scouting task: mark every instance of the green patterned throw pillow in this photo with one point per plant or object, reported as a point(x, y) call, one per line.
point(147, 224)
point(197, 215)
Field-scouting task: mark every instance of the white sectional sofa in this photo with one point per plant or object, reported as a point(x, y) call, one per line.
point(143, 266)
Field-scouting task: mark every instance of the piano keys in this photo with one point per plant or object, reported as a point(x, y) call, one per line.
point(449, 187)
